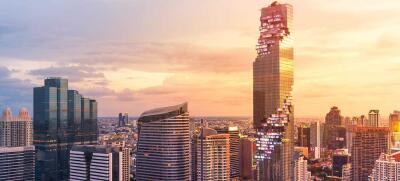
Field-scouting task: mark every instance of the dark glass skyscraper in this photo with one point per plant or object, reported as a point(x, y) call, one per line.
point(272, 84)
point(58, 124)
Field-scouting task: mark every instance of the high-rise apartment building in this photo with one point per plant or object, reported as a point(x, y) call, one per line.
point(163, 148)
point(300, 170)
point(233, 132)
point(62, 118)
point(367, 145)
point(213, 156)
point(316, 138)
point(272, 84)
point(373, 118)
point(246, 155)
point(17, 155)
point(15, 131)
point(386, 168)
point(98, 162)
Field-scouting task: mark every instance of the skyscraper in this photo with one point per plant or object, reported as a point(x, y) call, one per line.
point(122, 119)
point(163, 148)
point(98, 162)
point(17, 155)
point(368, 144)
point(272, 83)
point(233, 132)
point(303, 136)
point(316, 138)
point(61, 119)
point(373, 118)
point(213, 162)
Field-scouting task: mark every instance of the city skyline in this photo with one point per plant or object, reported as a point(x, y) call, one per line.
point(203, 57)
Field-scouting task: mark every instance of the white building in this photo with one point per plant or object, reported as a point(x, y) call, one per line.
point(15, 131)
point(300, 170)
point(96, 162)
point(387, 168)
point(346, 172)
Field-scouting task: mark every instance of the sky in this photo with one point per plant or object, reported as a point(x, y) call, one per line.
point(134, 55)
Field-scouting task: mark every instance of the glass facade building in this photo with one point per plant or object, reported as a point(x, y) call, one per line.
point(57, 123)
point(272, 84)
point(163, 151)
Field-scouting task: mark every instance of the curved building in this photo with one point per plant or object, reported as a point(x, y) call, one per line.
point(163, 151)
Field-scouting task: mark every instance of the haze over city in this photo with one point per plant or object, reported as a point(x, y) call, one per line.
point(135, 55)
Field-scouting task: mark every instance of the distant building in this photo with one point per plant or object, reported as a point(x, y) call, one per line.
point(233, 132)
point(123, 119)
point(386, 168)
point(62, 118)
point(368, 144)
point(96, 162)
point(373, 118)
point(301, 173)
point(163, 148)
point(303, 137)
point(394, 123)
point(334, 117)
point(316, 138)
point(340, 158)
point(17, 155)
point(335, 132)
point(213, 157)
point(246, 156)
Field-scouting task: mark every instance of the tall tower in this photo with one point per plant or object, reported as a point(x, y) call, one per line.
point(272, 84)
point(61, 119)
point(234, 141)
point(163, 151)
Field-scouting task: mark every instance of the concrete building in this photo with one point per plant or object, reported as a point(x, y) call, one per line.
point(163, 148)
point(373, 118)
point(340, 158)
point(17, 163)
point(346, 172)
point(246, 156)
point(233, 132)
point(301, 173)
point(272, 84)
point(213, 156)
point(15, 131)
point(17, 155)
point(316, 138)
point(387, 168)
point(367, 145)
point(96, 162)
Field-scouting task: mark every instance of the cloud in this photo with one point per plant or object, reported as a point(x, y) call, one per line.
point(73, 73)
point(15, 93)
